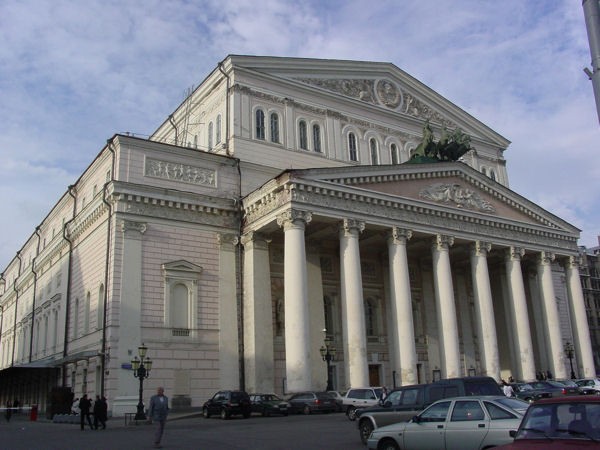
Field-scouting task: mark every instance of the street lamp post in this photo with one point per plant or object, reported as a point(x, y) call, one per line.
point(569, 352)
point(141, 369)
point(328, 353)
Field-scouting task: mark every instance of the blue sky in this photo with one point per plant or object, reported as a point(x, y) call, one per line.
point(73, 73)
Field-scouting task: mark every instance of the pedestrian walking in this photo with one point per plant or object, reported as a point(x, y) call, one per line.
point(85, 404)
point(159, 409)
point(100, 412)
point(507, 389)
point(8, 411)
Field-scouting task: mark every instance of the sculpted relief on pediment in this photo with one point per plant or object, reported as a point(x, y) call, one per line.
point(454, 194)
point(381, 92)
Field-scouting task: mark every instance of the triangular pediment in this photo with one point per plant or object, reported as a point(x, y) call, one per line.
point(380, 85)
point(181, 267)
point(448, 187)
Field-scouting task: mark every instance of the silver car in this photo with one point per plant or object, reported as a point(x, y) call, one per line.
point(460, 423)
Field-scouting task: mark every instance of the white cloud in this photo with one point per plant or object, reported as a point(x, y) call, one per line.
point(74, 73)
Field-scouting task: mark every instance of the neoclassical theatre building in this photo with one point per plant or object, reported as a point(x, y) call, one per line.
point(282, 204)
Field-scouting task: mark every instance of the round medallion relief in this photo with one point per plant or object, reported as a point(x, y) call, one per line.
point(388, 94)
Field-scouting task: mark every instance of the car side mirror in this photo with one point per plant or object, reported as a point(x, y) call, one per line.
point(416, 419)
point(387, 404)
point(513, 433)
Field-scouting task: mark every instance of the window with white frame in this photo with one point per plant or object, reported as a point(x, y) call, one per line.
point(302, 135)
point(259, 126)
point(352, 148)
point(100, 308)
point(210, 136)
point(218, 130)
point(76, 320)
point(274, 127)
point(181, 297)
point(86, 313)
point(394, 154)
point(316, 129)
point(374, 151)
point(371, 317)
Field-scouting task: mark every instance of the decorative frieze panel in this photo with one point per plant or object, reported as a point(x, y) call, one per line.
point(183, 173)
point(381, 92)
point(457, 196)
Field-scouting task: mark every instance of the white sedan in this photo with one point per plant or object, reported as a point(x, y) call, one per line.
point(461, 423)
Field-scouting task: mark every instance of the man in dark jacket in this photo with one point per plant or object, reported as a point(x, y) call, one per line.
point(85, 405)
point(100, 412)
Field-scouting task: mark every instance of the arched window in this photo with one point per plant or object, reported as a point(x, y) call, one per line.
point(492, 174)
point(210, 136)
point(374, 152)
point(86, 313)
point(316, 138)
point(100, 312)
point(394, 154)
point(302, 135)
point(483, 171)
point(352, 152)
point(76, 320)
point(274, 123)
point(218, 130)
point(260, 124)
point(279, 317)
point(54, 330)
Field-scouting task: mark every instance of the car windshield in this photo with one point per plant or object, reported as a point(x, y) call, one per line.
point(572, 420)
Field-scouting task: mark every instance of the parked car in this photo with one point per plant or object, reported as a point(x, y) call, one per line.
point(559, 423)
point(555, 388)
point(466, 423)
point(526, 392)
point(339, 400)
point(360, 398)
point(589, 385)
point(310, 402)
point(228, 403)
point(405, 402)
point(268, 404)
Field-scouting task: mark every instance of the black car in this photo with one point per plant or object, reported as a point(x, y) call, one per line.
point(309, 402)
point(228, 403)
point(268, 404)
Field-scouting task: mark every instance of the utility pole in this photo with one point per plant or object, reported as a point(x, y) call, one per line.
point(591, 11)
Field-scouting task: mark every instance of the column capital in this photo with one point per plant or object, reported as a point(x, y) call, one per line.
point(545, 258)
point(293, 218)
point(399, 235)
point(254, 238)
point(442, 242)
point(130, 225)
point(227, 239)
point(349, 225)
point(514, 253)
point(480, 248)
point(573, 262)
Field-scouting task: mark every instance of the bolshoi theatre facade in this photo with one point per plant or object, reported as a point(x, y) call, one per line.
point(281, 204)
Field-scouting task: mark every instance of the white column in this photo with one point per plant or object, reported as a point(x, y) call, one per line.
point(353, 312)
point(484, 308)
point(446, 309)
point(581, 331)
point(258, 315)
point(403, 334)
point(516, 290)
point(552, 322)
point(297, 334)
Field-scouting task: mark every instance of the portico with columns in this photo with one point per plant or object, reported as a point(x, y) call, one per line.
point(410, 281)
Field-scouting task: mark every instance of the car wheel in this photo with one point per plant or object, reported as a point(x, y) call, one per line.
point(365, 428)
point(388, 444)
point(351, 412)
point(285, 413)
point(246, 415)
point(265, 413)
point(306, 409)
point(205, 413)
point(224, 414)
